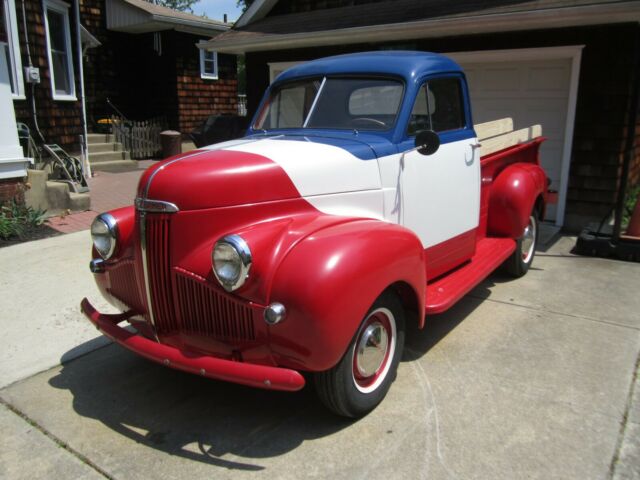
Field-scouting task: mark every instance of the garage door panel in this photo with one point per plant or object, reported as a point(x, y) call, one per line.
point(503, 80)
point(550, 114)
point(488, 110)
point(548, 80)
point(530, 92)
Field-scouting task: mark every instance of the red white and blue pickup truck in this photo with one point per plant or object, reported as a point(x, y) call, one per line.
point(361, 199)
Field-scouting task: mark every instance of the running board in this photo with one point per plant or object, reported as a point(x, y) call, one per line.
point(444, 292)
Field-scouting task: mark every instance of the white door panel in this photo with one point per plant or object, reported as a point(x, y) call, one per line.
point(441, 192)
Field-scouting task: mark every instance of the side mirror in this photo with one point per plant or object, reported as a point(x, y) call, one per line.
point(427, 142)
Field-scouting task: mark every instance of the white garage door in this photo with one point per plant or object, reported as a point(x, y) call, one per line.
point(530, 92)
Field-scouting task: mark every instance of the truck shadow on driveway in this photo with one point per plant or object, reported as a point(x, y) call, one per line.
point(217, 423)
point(419, 342)
point(188, 416)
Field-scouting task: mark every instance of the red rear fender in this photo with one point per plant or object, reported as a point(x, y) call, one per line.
point(512, 198)
point(330, 279)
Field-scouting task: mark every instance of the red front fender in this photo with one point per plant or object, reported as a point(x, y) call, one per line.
point(330, 280)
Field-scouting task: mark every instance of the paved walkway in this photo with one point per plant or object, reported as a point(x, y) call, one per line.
point(108, 191)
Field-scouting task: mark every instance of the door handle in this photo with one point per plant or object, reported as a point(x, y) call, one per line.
point(473, 146)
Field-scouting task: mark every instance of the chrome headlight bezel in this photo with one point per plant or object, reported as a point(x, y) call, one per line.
point(239, 248)
point(105, 226)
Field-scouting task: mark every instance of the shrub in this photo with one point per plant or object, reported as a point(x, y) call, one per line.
point(16, 219)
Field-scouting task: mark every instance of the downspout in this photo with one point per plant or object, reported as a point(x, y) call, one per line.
point(83, 144)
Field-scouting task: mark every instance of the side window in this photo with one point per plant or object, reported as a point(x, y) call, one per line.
point(59, 50)
point(439, 107)
point(208, 64)
point(10, 46)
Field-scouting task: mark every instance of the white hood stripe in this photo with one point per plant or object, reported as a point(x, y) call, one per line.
point(316, 168)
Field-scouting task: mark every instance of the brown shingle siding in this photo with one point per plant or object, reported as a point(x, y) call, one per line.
point(197, 98)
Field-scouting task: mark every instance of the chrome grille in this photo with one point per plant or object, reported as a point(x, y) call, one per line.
point(209, 312)
point(124, 285)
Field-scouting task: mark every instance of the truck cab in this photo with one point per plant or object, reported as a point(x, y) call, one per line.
point(362, 197)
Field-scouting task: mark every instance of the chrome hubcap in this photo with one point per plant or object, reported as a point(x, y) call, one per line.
point(529, 240)
point(372, 349)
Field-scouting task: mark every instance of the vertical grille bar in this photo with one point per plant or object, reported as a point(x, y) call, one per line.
point(124, 285)
point(208, 312)
point(158, 260)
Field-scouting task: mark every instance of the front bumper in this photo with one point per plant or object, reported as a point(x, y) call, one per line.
point(259, 376)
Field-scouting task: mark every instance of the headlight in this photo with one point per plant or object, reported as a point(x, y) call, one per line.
point(231, 261)
point(104, 232)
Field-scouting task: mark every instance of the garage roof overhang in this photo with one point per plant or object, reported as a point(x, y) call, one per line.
point(139, 16)
point(241, 41)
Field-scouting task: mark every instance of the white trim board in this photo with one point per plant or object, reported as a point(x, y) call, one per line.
point(13, 45)
point(257, 10)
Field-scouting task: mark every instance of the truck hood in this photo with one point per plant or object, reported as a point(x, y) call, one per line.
point(262, 169)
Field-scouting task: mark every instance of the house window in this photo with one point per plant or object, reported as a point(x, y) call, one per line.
point(10, 48)
point(208, 64)
point(59, 50)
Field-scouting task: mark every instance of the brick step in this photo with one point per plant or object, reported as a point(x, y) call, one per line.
point(115, 166)
point(99, 138)
point(104, 147)
point(96, 158)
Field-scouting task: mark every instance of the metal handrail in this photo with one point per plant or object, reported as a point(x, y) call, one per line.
point(117, 110)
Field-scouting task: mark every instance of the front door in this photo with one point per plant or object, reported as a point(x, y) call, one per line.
point(441, 192)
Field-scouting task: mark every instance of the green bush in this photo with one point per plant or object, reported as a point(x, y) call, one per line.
point(629, 204)
point(17, 219)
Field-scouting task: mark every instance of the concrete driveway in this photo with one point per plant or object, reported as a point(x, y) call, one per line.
point(532, 378)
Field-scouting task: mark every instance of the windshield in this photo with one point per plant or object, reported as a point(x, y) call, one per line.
point(337, 103)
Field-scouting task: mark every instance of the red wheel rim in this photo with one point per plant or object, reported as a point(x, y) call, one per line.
point(373, 350)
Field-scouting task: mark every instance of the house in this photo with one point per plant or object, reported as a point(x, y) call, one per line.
point(569, 65)
point(70, 64)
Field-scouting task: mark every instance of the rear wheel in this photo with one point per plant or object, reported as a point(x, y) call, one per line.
point(519, 262)
point(359, 382)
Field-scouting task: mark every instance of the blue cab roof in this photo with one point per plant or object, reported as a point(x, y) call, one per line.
point(406, 64)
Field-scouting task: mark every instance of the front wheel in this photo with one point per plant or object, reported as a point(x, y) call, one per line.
point(360, 381)
point(519, 262)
